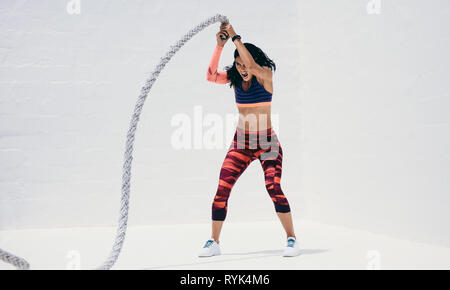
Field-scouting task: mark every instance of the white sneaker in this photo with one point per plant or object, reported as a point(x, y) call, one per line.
point(292, 249)
point(211, 248)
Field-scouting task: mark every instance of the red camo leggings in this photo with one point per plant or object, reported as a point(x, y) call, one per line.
point(246, 147)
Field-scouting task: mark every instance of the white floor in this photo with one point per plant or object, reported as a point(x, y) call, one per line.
point(244, 246)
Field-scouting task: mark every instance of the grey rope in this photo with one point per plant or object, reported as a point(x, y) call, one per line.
point(124, 201)
point(16, 261)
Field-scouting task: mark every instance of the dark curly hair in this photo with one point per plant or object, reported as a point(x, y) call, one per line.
point(258, 56)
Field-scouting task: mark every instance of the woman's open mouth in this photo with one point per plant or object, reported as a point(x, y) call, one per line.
point(244, 75)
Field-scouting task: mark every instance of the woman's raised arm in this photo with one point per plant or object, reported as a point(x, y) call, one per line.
point(212, 74)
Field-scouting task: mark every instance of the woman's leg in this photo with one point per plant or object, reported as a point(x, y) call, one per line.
point(234, 164)
point(286, 221)
point(216, 229)
point(271, 161)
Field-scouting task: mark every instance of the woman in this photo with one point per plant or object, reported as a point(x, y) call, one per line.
point(251, 77)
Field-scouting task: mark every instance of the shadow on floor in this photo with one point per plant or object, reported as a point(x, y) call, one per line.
point(278, 252)
point(265, 254)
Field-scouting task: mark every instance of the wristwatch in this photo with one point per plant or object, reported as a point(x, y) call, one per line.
point(236, 36)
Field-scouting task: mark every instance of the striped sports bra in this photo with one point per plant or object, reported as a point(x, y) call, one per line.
point(256, 95)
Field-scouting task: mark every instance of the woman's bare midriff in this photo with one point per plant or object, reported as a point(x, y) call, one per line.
point(254, 118)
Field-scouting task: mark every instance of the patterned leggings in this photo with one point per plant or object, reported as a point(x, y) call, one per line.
point(246, 147)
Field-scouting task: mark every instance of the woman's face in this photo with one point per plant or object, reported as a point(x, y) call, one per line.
point(240, 66)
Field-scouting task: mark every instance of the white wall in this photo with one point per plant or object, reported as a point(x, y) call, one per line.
point(375, 116)
point(69, 86)
point(361, 100)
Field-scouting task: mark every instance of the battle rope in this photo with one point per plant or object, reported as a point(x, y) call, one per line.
point(16, 261)
point(20, 263)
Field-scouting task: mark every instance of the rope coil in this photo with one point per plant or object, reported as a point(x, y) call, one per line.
point(21, 263)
